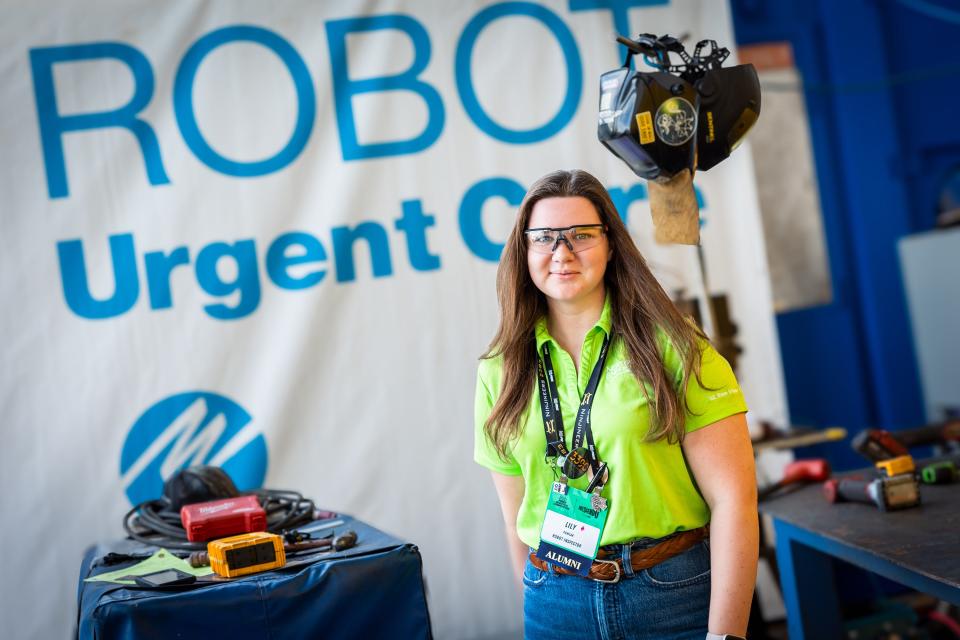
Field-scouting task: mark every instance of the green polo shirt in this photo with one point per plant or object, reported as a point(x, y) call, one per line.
point(650, 491)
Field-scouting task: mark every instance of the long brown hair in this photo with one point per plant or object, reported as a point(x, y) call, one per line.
point(639, 306)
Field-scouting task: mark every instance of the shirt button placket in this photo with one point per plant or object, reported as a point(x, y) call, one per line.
point(586, 361)
point(573, 393)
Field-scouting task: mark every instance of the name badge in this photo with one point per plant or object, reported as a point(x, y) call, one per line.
point(570, 535)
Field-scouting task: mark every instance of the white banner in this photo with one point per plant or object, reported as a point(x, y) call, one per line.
point(264, 236)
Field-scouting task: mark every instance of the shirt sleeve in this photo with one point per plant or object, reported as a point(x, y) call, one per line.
point(484, 453)
point(716, 395)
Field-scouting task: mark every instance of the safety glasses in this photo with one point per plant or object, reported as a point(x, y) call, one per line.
point(577, 238)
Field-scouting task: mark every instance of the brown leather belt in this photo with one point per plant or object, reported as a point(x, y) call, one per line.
point(604, 570)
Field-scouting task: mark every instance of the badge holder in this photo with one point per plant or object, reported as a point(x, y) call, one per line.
point(573, 524)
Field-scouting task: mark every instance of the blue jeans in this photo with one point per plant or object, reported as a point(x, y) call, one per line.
point(665, 602)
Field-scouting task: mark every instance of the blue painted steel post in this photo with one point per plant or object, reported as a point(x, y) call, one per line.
point(807, 584)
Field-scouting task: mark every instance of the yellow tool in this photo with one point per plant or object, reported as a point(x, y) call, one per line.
point(802, 439)
point(246, 553)
point(897, 466)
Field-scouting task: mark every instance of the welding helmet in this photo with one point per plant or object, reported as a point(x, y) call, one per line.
point(686, 116)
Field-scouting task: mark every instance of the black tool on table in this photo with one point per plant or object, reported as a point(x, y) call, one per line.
point(887, 494)
point(944, 472)
point(164, 578)
point(878, 445)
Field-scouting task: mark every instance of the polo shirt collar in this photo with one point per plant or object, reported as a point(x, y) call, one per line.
point(543, 335)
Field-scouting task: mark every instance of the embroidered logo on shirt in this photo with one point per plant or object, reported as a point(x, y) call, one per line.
point(618, 369)
point(723, 394)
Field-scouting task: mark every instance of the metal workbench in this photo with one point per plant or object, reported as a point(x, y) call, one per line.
point(918, 547)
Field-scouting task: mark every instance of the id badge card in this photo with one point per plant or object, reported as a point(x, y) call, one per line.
point(570, 535)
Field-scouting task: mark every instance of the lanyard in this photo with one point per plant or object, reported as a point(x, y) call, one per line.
point(553, 417)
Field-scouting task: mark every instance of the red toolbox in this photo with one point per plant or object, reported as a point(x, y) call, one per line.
point(219, 518)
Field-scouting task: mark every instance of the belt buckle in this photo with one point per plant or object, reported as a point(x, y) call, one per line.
point(616, 567)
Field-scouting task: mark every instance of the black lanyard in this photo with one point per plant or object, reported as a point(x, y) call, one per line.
point(553, 415)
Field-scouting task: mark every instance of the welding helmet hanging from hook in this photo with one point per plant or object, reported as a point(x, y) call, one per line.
point(686, 116)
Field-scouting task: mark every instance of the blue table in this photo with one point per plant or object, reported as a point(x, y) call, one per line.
point(917, 547)
point(374, 590)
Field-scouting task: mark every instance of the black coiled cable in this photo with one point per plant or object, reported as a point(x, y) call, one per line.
point(154, 522)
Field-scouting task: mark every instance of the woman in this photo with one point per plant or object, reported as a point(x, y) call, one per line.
point(650, 424)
